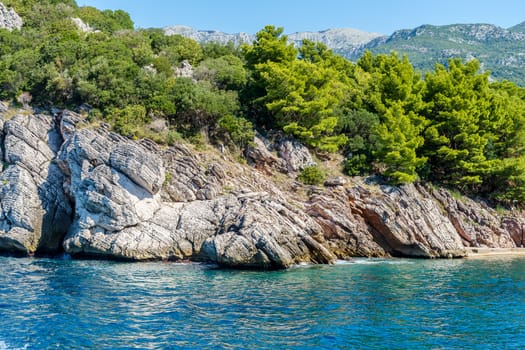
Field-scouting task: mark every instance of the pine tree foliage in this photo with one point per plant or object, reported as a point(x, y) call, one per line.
point(453, 126)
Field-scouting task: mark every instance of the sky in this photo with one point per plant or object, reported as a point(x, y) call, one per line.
point(379, 16)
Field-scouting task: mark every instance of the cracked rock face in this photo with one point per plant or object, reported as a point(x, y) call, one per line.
point(119, 211)
point(94, 193)
point(35, 211)
point(407, 221)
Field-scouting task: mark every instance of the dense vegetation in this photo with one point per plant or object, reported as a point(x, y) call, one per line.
point(500, 50)
point(452, 127)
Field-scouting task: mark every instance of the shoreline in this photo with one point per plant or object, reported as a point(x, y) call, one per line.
point(476, 252)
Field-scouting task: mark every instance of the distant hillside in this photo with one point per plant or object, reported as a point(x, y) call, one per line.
point(501, 51)
point(343, 40)
point(518, 28)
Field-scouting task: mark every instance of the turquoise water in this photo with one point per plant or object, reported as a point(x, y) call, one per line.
point(367, 304)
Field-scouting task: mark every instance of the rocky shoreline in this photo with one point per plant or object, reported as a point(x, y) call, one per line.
point(89, 192)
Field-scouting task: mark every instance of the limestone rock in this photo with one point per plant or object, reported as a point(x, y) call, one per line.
point(344, 229)
point(84, 27)
point(114, 182)
point(231, 231)
point(187, 179)
point(335, 181)
point(184, 70)
point(139, 165)
point(260, 157)
point(4, 107)
point(296, 155)
point(96, 193)
point(9, 19)
point(68, 123)
point(515, 227)
point(35, 212)
point(408, 221)
point(268, 234)
point(477, 225)
point(366, 220)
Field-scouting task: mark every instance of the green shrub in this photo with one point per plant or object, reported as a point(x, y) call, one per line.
point(172, 137)
point(356, 165)
point(312, 175)
point(236, 130)
point(128, 121)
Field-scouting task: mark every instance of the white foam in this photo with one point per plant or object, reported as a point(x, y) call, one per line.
point(373, 261)
point(5, 346)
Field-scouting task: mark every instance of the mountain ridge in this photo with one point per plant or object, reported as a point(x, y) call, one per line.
point(343, 39)
point(499, 50)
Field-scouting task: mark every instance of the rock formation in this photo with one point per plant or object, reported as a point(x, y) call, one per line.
point(82, 26)
point(9, 19)
point(35, 212)
point(90, 192)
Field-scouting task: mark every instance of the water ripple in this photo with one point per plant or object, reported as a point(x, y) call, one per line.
point(365, 303)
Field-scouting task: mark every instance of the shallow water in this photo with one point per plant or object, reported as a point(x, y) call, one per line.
point(379, 304)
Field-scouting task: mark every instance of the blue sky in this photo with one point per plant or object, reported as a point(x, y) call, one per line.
point(381, 16)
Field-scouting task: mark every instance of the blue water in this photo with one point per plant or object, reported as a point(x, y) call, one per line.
point(367, 304)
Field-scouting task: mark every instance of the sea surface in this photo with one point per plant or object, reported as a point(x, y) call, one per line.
point(363, 304)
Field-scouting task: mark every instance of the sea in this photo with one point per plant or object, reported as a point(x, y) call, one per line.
point(358, 304)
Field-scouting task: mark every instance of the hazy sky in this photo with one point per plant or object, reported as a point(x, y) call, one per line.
point(382, 16)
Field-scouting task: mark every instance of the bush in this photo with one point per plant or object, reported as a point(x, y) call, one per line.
point(128, 121)
point(356, 165)
point(173, 137)
point(312, 175)
point(236, 130)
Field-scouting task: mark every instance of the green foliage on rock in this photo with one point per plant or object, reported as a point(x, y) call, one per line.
point(312, 175)
point(235, 130)
point(452, 127)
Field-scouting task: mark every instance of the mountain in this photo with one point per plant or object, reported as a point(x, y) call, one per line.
point(518, 28)
point(206, 36)
point(340, 40)
point(500, 50)
point(345, 40)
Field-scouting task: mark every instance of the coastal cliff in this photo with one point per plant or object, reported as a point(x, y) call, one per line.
point(84, 190)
